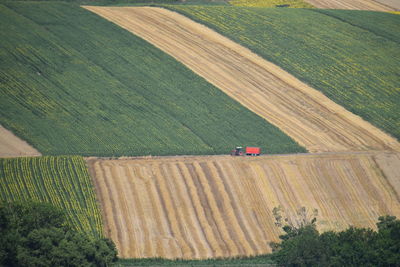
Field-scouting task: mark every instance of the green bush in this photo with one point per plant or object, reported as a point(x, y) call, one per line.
point(353, 247)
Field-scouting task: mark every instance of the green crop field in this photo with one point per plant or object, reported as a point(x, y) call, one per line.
point(353, 57)
point(61, 181)
point(271, 3)
point(74, 83)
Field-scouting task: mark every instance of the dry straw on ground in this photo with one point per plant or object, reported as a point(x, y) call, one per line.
point(221, 206)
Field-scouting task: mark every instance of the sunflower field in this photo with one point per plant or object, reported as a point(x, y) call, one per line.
point(62, 181)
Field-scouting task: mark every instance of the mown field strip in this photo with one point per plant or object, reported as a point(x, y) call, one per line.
point(380, 5)
point(221, 206)
point(12, 146)
point(303, 113)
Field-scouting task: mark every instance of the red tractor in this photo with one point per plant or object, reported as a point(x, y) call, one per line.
point(250, 151)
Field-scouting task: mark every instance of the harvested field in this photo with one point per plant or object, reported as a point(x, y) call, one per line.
point(377, 5)
point(221, 206)
point(306, 115)
point(12, 146)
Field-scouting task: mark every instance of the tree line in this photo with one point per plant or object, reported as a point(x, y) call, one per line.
point(303, 245)
point(37, 234)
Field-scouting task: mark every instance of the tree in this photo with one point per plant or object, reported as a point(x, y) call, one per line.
point(388, 240)
point(298, 232)
point(304, 246)
point(37, 234)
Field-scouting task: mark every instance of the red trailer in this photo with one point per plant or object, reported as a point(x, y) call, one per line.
point(253, 151)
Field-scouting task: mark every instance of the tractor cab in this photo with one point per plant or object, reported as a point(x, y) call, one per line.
point(238, 151)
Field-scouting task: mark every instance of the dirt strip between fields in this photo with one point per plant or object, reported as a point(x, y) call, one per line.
point(378, 5)
point(300, 111)
point(11, 146)
point(221, 206)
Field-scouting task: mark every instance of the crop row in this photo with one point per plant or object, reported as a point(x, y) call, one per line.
point(61, 181)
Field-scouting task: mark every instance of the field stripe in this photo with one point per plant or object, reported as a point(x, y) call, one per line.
point(179, 206)
point(194, 233)
point(353, 4)
point(137, 229)
point(247, 242)
point(212, 214)
point(120, 226)
point(172, 240)
point(205, 227)
point(242, 194)
point(229, 214)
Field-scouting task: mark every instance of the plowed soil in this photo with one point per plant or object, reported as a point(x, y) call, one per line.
point(11, 146)
point(378, 5)
point(221, 206)
point(303, 113)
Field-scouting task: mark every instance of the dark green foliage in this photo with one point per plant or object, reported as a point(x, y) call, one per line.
point(74, 83)
point(353, 57)
point(36, 234)
point(263, 260)
point(353, 247)
point(388, 243)
point(300, 247)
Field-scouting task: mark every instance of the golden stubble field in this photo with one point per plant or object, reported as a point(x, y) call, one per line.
point(221, 206)
point(12, 146)
point(303, 113)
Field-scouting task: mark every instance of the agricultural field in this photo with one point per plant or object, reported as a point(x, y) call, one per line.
point(271, 3)
point(353, 61)
point(221, 206)
point(61, 181)
point(303, 113)
point(12, 146)
point(377, 5)
point(73, 83)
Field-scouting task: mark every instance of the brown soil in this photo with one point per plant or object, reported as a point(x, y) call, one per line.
point(12, 146)
point(377, 5)
point(221, 206)
point(300, 111)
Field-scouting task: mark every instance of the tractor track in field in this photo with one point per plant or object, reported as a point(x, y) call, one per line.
point(303, 113)
point(221, 206)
